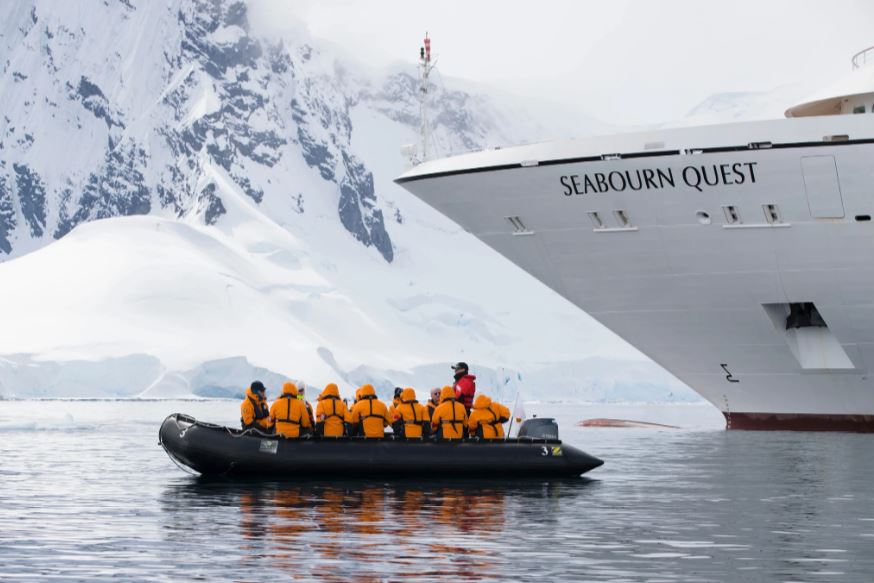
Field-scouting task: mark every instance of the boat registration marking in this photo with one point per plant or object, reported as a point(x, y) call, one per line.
point(269, 446)
point(551, 451)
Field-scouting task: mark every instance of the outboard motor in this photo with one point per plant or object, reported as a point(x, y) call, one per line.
point(539, 428)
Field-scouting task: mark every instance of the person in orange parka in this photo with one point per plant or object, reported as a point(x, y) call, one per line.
point(396, 400)
point(301, 396)
point(409, 418)
point(502, 414)
point(331, 413)
point(290, 413)
point(483, 419)
point(433, 402)
point(351, 429)
point(370, 413)
point(253, 410)
point(450, 417)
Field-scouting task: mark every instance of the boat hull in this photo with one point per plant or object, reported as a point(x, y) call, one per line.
point(213, 450)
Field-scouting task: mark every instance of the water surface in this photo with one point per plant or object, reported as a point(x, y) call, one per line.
point(86, 493)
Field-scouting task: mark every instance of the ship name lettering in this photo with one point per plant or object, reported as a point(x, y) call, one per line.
point(698, 177)
point(617, 181)
point(694, 176)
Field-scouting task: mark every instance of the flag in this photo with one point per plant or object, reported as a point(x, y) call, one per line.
point(518, 415)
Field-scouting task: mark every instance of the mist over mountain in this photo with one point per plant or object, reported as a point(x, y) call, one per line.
point(180, 193)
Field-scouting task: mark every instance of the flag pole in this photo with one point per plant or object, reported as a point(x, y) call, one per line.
point(512, 416)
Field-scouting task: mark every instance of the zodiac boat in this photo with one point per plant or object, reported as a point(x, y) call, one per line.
point(216, 450)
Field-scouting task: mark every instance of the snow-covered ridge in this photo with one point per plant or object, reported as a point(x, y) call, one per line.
point(185, 204)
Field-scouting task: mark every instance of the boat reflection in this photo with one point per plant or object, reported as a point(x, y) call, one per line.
point(355, 530)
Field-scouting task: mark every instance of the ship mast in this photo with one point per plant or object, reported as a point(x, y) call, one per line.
point(425, 67)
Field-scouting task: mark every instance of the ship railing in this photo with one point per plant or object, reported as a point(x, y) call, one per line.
point(861, 58)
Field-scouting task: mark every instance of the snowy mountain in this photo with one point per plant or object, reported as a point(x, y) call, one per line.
point(187, 203)
point(748, 105)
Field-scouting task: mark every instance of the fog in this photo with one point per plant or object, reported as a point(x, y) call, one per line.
point(627, 62)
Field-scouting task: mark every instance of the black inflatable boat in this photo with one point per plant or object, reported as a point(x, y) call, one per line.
point(215, 450)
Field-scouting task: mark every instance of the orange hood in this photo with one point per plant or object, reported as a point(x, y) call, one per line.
point(289, 389)
point(408, 395)
point(482, 402)
point(253, 395)
point(331, 390)
point(447, 394)
point(367, 391)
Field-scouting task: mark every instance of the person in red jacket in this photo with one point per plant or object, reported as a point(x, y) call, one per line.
point(465, 385)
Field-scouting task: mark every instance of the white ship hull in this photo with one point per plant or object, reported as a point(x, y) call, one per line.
point(707, 300)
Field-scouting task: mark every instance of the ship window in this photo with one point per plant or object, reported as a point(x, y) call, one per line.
point(703, 217)
point(772, 214)
point(732, 216)
point(519, 227)
point(863, 218)
point(859, 109)
point(596, 220)
point(622, 218)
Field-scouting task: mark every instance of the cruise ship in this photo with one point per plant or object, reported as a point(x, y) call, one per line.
point(740, 257)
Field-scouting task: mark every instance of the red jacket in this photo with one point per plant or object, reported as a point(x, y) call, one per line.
point(465, 390)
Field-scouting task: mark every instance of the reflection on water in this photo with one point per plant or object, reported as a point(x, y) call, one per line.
point(364, 530)
point(88, 495)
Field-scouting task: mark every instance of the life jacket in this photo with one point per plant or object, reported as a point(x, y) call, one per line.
point(309, 409)
point(254, 413)
point(331, 413)
point(450, 417)
point(409, 417)
point(502, 414)
point(289, 412)
point(465, 390)
point(370, 414)
point(483, 419)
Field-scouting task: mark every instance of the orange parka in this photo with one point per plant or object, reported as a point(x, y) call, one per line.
point(331, 413)
point(483, 419)
point(450, 417)
point(370, 413)
point(254, 413)
point(289, 412)
point(502, 414)
point(409, 418)
point(431, 406)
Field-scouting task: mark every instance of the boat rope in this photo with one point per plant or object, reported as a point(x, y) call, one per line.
point(179, 464)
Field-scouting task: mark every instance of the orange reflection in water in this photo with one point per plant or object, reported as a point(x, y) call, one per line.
point(370, 532)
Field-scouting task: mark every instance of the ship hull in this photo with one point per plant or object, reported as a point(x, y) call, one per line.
point(697, 246)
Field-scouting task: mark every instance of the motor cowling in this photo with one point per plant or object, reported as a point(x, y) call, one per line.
point(539, 428)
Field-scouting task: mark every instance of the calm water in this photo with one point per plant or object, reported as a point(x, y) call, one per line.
point(86, 493)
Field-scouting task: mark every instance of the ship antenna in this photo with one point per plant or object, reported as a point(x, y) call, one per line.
point(425, 67)
point(413, 154)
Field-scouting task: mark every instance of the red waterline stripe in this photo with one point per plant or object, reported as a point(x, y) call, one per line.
point(799, 422)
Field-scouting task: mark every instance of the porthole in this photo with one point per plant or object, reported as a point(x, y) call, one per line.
point(703, 217)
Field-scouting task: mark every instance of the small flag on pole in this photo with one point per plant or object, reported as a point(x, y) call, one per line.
point(519, 411)
point(518, 415)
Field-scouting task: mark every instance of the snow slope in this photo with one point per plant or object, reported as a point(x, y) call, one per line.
point(186, 205)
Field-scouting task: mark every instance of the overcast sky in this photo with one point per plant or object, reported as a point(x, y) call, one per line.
point(624, 61)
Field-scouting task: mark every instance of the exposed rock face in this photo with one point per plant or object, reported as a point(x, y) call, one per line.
point(7, 216)
point(133, 107)
point(32, 197)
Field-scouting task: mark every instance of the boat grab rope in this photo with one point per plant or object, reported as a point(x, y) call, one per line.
point(179, 464)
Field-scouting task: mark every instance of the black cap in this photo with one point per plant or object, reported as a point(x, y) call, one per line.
point(398, 391)
point(258, 387)
point(460, 366)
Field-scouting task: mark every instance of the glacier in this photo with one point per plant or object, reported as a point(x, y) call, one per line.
point(188, 203)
